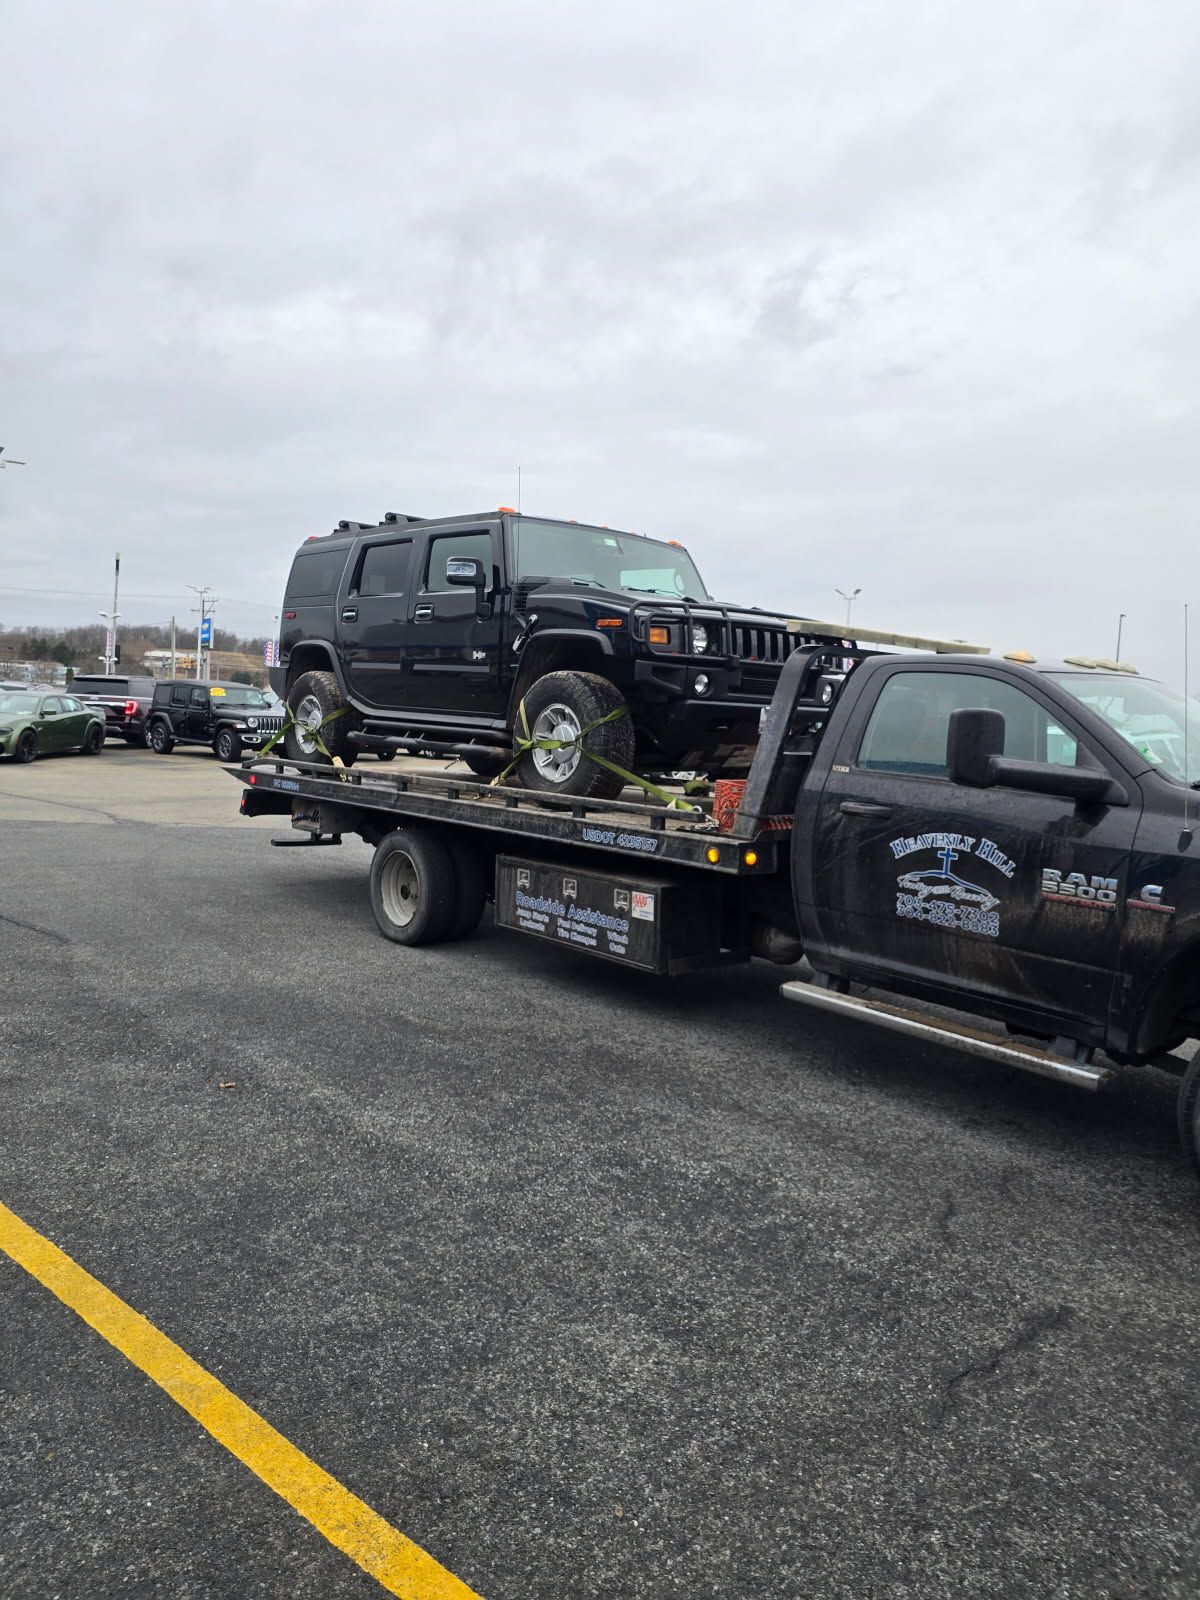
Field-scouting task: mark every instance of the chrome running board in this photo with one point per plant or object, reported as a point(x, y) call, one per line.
point(919, 1025)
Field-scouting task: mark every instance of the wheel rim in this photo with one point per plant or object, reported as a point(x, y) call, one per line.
point(159, 737)
point(557, 722)
point(399, 889)
point(225, 747)
point(308, 717)
point(27, 744)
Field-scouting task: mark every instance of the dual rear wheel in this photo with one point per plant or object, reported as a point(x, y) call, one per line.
point(427, 887)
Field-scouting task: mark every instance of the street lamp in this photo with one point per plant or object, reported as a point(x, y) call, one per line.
point(849, 599)
point(110, 643)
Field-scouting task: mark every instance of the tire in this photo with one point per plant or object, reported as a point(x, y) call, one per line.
point(26, 747)
point(227, 747)
point(313, 697)
point(560, 705)
point(486, 765)
point(159, 737)
point(1189, 1113)
point(470, 888)
point(413, 887)
point(94, 742)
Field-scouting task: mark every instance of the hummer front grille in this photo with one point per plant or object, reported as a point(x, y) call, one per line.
point(750, 642)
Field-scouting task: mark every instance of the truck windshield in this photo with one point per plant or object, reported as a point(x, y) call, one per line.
point(1148, 714)
point(606, 560)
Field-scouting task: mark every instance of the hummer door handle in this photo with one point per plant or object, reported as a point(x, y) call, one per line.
point(349, 613)
point(863, 808)
point(424, 613)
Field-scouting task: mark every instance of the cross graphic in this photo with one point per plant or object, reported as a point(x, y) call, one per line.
point(946, 856)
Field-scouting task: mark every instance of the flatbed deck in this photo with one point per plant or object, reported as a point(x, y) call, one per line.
point(632, 828)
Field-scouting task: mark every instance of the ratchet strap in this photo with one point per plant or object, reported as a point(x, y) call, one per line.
point(314, 734)
point(524, 741)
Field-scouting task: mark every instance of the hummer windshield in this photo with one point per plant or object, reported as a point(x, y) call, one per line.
point(1158, 722)
point(605, 560)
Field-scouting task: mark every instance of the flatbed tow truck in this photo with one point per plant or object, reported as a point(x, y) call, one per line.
point(1003, 837)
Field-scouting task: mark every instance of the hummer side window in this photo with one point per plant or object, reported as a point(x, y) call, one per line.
point(384, 568)
point(909, 725)
point(477, 546)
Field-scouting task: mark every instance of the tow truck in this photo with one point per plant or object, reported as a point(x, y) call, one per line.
point(1010, 838)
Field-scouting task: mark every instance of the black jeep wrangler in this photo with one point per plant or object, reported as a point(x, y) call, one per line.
point(226, 716)
point(464, 635)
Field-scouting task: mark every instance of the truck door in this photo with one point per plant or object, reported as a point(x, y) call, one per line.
point(373, 621)
point(998, 891)
point(456, 662)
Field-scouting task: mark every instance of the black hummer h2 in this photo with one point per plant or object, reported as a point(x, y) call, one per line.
point(227, 716)
point(422, 631)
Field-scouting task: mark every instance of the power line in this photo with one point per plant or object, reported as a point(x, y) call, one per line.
point(98, 594)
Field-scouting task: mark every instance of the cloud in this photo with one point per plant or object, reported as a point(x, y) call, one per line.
point(840, 295)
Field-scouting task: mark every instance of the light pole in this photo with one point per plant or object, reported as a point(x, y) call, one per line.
point(849, 599)
point(1120, 623)
point(110, 645)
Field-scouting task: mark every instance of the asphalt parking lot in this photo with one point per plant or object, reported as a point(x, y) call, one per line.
point(593, 1285)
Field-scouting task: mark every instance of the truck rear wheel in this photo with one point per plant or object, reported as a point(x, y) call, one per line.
point(314, 702)
point(159, 737)
point(1189, 1113)
point(561, 707)
point(470, 888)
point(413, 888)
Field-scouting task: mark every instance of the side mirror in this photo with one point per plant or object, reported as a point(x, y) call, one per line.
point(975, 757)
point(974, 740)
point(466, 572)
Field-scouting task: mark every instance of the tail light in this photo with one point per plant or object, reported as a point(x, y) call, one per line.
point(131, 708)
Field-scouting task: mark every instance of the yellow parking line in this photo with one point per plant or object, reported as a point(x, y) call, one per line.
point(401, 1566)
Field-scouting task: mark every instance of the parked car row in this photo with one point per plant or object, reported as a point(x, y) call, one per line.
point(228, 717)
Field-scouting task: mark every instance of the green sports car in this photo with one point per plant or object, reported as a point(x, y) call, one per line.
point(34, 723)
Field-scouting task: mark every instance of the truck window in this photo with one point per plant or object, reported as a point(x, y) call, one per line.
point(384, 568)
point(315, 574)
point(908, 727)
point(467, 546)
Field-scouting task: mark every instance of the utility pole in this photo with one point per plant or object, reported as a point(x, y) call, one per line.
point(849, 599)
point(110, 618)
point(205, 609)
point(172, 647)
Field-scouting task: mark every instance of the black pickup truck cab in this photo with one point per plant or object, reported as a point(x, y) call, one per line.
point(414, 634)
point(1015, 838)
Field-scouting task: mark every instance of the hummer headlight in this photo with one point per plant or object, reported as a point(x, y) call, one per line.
point(699, 638)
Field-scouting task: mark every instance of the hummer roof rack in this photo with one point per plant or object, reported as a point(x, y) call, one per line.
point(904, 641)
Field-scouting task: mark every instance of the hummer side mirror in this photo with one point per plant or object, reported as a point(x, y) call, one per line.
point(466, 572)
point(973, 741)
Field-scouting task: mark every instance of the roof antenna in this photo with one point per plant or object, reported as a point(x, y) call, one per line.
point(1185, 838)
point(518, 491)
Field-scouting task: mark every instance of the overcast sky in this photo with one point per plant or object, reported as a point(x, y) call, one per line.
point(902, 297)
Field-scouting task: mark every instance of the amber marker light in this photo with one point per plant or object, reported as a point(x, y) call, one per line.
point(512, 510)
point(713, 854)
point(659, 635)
point(610, 622)
point(751, 858)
